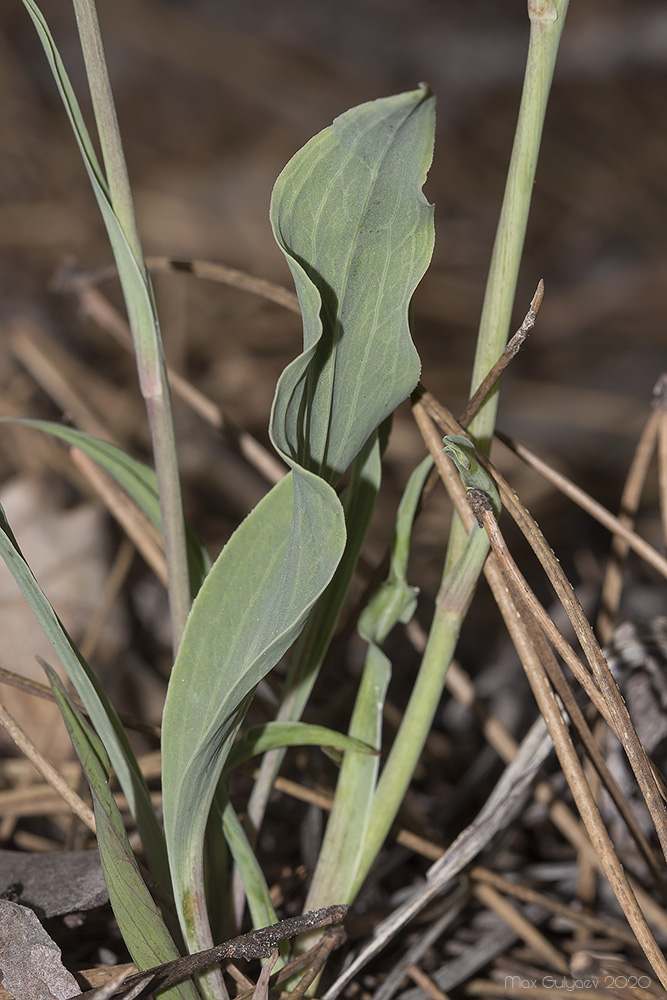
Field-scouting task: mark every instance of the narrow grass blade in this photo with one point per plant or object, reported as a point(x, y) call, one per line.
point(135, 282)
point(338, 873)
point(138, 917)
point(100, 710)
point(139, 297)
point(273, 735)
point(137, 479)
point(245, 859)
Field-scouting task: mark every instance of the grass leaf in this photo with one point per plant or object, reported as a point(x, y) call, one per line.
point(136, 288)
point(139, 920)
point(272, 735)
point(100, 710)
point(137, 479)
point(339, 870)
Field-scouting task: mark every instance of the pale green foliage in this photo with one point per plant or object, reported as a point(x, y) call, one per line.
point(349, 214)
point(358, 363)
point(340, 867)
point(100, 710)
point(138, 917)
point(136, 478)
point(357, 233)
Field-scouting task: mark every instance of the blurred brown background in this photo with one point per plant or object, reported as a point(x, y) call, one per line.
point(213, 99)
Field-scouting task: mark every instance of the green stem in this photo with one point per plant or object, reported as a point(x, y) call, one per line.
point(107, 123)
point(547, 19)
point(466, 554)
point(145, 328)
point(452, 603)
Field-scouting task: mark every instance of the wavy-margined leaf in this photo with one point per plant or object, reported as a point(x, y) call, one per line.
point(138, 917)
point(96, 703)
point(357, 232)
point(355, 279)
point(137, 479)
point(348, 213)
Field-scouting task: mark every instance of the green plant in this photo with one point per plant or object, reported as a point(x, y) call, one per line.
point(357, 233)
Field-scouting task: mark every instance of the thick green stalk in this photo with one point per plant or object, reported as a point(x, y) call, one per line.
point(547, 19)
point(466, 554)
point(143, 322)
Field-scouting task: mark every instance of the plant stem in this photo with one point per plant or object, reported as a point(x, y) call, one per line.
point(462, 567)
point(143, 322)
point(452, 603)
point(107, 122)
point(547, 19)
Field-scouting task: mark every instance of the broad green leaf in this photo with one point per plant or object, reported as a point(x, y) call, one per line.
point(249, 610)
point(139, 920)
point(310, 649)
point(138, 480)
point(355, 278)
point(97, 705)
point(357, 232)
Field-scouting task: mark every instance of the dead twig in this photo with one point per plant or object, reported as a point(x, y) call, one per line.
point(255, 944)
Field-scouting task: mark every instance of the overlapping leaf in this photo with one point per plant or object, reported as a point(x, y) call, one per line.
point(354, 279)
point(137, 479)
point(97, 705)
point(138, 917)
point(357, 232)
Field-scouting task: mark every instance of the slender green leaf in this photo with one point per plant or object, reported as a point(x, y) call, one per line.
point(100, 710)
point(137, 479)
point(339, 856)
point(452, 604)
point(337, 874)
point(257, 889)
point(136, 287)
point(138, 917)
point(259, 740)
point(135, 282)
point(395, 601)
point(272, 735)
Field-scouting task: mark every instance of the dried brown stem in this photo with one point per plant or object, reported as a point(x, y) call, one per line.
point(514, 345)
